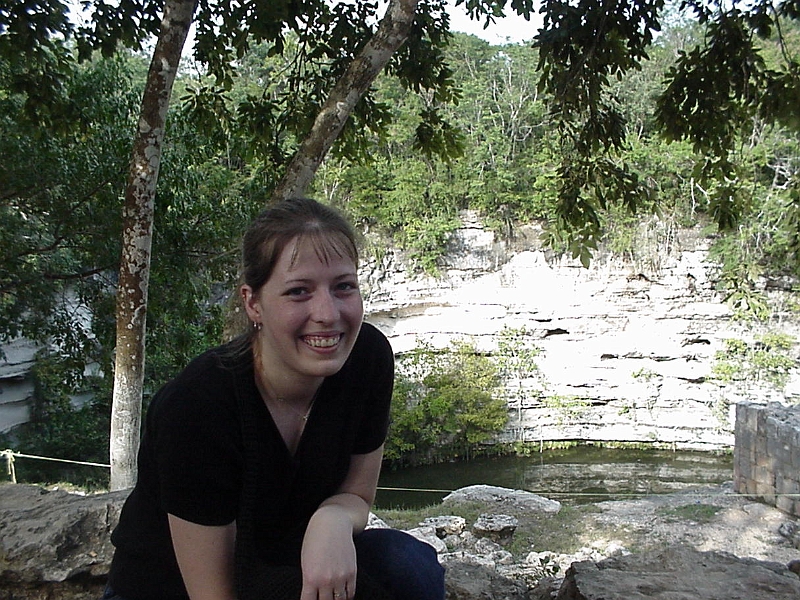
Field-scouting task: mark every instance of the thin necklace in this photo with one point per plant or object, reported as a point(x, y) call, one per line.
point(282, 401)
point(304, 417)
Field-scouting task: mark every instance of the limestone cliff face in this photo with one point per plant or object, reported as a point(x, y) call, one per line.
point(627, 345)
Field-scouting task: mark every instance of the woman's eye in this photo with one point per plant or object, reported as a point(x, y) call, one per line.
point(346, 286)
point(298, 291)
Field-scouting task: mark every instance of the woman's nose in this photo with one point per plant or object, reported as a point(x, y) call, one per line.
point(325, 307)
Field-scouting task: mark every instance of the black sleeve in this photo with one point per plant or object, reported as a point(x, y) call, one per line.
point(197, 454)
point(378, 383)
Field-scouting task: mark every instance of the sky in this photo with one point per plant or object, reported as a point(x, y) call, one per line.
point(509, 29)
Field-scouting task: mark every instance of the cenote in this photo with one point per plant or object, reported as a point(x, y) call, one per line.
point(575, 475)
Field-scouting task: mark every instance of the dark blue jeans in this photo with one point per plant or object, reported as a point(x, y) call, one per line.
point(400, 563)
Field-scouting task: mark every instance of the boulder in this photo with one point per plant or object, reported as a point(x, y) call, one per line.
point(52, 536)
point(679, 573)
point(791, 531)
point(428, 535)
point(445, 525)
point(54, 544)
point(495, 497)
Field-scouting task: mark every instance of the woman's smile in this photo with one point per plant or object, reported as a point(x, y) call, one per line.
point(322, 341)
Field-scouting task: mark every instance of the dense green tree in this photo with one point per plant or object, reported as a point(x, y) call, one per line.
point(585, 173)
point(60, 190)
point(445, 404)
point(714, 90)
point(61, 224)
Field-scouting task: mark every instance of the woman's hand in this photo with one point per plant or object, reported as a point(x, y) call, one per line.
point(328, 558)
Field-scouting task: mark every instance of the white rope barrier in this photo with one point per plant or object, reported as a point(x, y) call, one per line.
point(11, 456)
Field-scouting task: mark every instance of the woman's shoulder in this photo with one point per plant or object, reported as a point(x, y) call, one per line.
point(371, 340)
point(208, 379)
point(372, 353)
point(216, 364)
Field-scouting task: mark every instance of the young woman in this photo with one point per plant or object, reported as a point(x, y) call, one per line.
point(259, 462)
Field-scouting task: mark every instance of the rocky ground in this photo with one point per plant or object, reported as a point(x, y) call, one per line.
point(55, 545)
point(702, 543)
point(712, 518)
point(706, 519)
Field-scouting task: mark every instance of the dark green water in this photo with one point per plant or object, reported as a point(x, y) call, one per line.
point(572, 476)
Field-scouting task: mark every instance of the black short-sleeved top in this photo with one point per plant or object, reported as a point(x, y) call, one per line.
point(210, 444)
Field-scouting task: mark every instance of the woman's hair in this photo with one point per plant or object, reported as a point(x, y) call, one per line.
point(268, 235)
point(328, 231)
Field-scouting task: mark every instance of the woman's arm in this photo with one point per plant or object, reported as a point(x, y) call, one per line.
point(329, 557)
point(205, 556)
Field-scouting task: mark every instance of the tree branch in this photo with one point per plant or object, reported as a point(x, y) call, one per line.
point(392, 32)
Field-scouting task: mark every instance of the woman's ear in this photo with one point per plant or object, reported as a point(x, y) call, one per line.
point(250, 301)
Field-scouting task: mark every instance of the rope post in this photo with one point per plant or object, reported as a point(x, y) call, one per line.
point(9, 456)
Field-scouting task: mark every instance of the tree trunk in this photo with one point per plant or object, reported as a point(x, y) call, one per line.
point(137, 235)
point(392, 32)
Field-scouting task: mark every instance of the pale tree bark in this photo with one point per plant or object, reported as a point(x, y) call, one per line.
point(137, 235)
point(392, 32)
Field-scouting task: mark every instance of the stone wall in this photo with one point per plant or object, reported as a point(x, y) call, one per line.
point(767, 454)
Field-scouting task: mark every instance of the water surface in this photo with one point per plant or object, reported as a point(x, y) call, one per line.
point(575, 475)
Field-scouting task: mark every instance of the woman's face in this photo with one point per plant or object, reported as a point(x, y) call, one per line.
point(310, 311)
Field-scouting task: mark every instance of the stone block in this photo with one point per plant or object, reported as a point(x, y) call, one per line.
point(53, 536)
point(751, 412)
point(787, 483)
point(744, 461)
point(785, 503)
point(766, 492)
point(739, 484)
point(762, 473)
point(760, 445)
point(772, 426)
point(775, 449)
point(761, 418)
point(743, 445)
point(740, 416)
point(795, 457)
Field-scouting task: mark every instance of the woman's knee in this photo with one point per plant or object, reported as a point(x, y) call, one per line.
point(407, 566)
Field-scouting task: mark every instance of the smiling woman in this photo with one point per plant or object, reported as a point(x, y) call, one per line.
point(260, 461)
